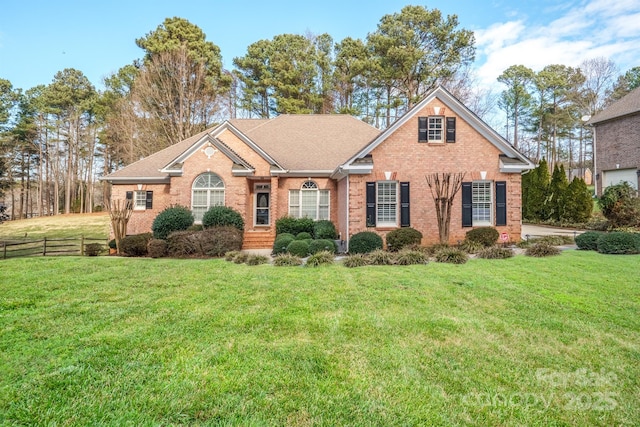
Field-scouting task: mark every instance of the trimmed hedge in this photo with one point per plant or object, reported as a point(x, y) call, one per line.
point(222, 216)
point(157, 248)
point(364, 242)
point(281, 243)
point(488, 236)
point(173, 218)
point(403, 237)
point(320, 245)
point(288, 224)
point(303, 235)
point(298, 248)
point(324, 229)
point(135, 245)
point(588, 241)
point(619, 243)
point(214, 242)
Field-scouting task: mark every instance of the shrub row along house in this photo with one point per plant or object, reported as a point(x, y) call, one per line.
point(335, 167)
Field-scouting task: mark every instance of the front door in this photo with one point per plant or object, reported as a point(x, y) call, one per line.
point(262, 203)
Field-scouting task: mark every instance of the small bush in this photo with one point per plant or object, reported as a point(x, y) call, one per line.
point(303, 235)
point(157, 248)
point(471, 246)
point(217, 241)
point(92, 249)
point(588, 241)
point(451, 256)
point(112, 244)
point(320, 258)
point(488, 236)
point(381, 257)
point(364, 242)
point(402, 237)
point(324, 229)
point(541, 250)
point(316, 246)
point(298, 248)
point(556, 240)
point(183, 244)
point(431, 250)
point(618, 243)
point(620, 205)
point(495, 252)
point(411, 257)
point(356, 260)
point(135, 245)
point(229, 256)
point(283, 235)
point(287, 224)
point(222, 216)
point(287, 260)
point(281, 243)
point(173, 218)
point(240, 258)
point(255, 259)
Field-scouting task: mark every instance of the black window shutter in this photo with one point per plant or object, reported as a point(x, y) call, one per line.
point(129, 195)
point(149, 201)
point(451, 129)
point(501, 203)
point(405, 220)
point(371, 204)
point(422, 129)
point(467, 205)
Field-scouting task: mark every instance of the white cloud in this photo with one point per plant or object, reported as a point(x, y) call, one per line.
point(595, 28)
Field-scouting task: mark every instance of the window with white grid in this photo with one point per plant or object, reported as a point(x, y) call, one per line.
point(309, 202)
point(140, 201)
point(482, 202)
point(434, 129)
point(207, 191)
point(387, 203)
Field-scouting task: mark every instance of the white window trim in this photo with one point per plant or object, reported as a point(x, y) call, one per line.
point(380, 223)
point(442, 129)
point(480, 223)
point(297, 201)
point(208, 190)
point(143, 205)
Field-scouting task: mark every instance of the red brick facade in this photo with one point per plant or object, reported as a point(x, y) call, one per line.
point(617, 147)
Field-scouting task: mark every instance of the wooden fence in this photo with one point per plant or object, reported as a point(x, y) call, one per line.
point(48, 246)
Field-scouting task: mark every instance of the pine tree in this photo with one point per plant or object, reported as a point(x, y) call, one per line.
point(557, 193)
point(579, 203)
point(535, 193)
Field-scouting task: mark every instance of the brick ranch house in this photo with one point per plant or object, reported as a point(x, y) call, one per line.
point(335, 167)
point(617, 143)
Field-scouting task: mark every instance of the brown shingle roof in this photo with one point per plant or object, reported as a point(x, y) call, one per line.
point(629, 104)
point(309, 141)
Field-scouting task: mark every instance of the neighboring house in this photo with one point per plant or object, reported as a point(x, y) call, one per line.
point(617, 142)
point(584, 173)
point(335, 167)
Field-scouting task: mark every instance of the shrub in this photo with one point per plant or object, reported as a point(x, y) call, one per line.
point(471, 246)
point(431, 250)
point(255, 259)
point(217, 241)
point(229, 256)
point(364, 242)
point(298, 248)
point(283, 235)
point(495, 252)
point(555, 240)
point(135, 245)
point(303, 235)
point(451, 256)
point(157, 248)
point(620, 205)
point(356, 260)
point(411, 257)
point(173, 218)
point(281, 243)
point(488, 236)
point(320, 258)
point(112, 244)
point(324, 229)
point(316, 246)
point(288, 224)
point(588, 241)
point(381, 257)
point(619, 242)
point(541, 250)
point(222, 216)
point(287, 260)
point(181, 244)
point(92, 249)
point(403, 237)
point(240, 258)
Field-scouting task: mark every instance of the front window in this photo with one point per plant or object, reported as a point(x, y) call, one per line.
point(140, 201)
point(434, 129)
point(309, 202)
point(207, 191)
point(482, 202)
point(387, 203)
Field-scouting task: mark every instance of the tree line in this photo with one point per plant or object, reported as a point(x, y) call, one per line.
point(56, 139)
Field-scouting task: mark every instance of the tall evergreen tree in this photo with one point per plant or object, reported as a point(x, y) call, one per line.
point(579, 203)
point(557, 193)
point(516, 99)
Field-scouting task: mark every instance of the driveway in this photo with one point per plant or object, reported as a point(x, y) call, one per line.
point(540, 230)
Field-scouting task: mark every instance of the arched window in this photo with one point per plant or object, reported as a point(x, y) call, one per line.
point(207, 191)
point(309, 201)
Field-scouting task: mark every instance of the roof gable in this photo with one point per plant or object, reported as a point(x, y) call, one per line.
point(459, 109)
point(628, 104)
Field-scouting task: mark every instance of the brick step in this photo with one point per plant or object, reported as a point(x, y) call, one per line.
point(257, 240)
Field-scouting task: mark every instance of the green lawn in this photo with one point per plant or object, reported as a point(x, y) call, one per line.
point(123, 341)
point(57, 226)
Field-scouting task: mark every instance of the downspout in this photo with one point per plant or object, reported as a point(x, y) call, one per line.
point(595, 168)
point(348, 208)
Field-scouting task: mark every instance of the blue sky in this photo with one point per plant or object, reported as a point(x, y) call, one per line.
point(39, 38)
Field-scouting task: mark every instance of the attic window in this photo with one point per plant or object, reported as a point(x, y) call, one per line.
point(435, 127)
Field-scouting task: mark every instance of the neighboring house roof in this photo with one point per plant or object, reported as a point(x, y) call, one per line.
point(511, 160)
point(628, 104)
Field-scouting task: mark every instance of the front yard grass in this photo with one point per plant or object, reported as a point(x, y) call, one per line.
point(125, 341)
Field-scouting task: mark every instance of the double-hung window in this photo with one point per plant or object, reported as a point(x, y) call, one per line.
point(309, 202)
point(387, 204)
point(140, 200)
point(482, 202)
point(435, 128)
point(207, 191)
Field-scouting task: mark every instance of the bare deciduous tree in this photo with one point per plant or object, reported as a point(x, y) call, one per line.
point(444, 187)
